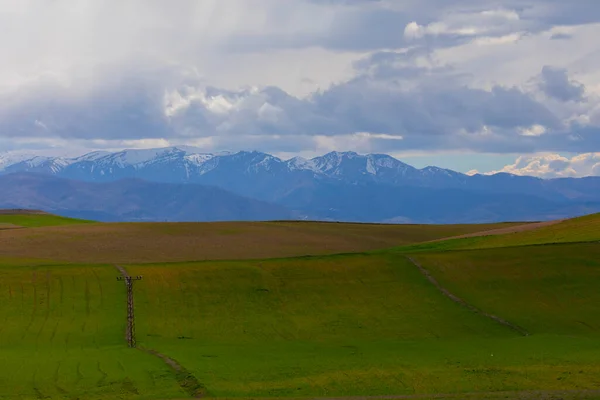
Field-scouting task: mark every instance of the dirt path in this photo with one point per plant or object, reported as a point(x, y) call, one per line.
point(502, 231)
point(463, 303)
point(186, 380)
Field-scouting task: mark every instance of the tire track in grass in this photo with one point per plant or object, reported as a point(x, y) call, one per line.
point(87, 304)
point(47, 316)
point(163, 309)
point(95, 321)
point(38, 393)
point(185, 379)
point(103, 375)
point(34, 308)
point(59, 389)
point(99, 286)
point(183, 292)
point(59, 308)
point(6, 317)
point(79, 374)
point(458, 300)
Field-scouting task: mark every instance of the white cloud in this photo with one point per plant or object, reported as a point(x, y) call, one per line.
point(555, 166)
point(497, 22)
point(414, 31)
point(534, 130)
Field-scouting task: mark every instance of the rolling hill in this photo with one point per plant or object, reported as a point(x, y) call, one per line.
point(35, 218)
point(582, 229)
point(368, 323)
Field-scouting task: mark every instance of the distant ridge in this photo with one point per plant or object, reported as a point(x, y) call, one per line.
point(22, 211)
point(129, 200)
point(338, 186)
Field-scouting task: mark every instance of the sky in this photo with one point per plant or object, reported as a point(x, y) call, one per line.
point(473, 85)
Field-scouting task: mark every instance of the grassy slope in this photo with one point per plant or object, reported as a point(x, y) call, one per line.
point(342, 325)
point(548, 289)
point(583, 229)
point(61, 336)
point(38, 220)
point(148, 242)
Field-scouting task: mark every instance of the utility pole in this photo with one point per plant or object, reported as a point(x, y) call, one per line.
point(130, 333)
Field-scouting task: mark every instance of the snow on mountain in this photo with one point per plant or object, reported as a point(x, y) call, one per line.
point(355, 166)
point(198, 159)
point(55, 164)
point(302, 164)
point(267, 163)
point(330, 162)
point(138, 158)
point(371, 167)
point(191, 164)
point(438, 172)
point(10, 158)
point(41, 164)
point(93, 156)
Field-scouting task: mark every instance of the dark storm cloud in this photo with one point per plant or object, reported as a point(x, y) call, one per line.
point(361, 25)
point(555, 82)
point(133, 109)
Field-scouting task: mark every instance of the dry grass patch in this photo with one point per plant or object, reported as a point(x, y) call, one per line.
point(167, 242)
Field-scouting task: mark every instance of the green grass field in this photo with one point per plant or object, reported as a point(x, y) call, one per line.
point(344, 326)
point(61, 336)
point(364, 324)
point(583, 229)
point(548, 289)
point(37, 220)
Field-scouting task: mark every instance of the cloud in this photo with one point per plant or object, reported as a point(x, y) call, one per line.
point(464, 25)
point(555, 166)
point(555, 82)
point(405, 95)
point(560, 36)
point(220, 73)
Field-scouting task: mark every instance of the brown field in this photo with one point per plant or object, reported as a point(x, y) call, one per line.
point(172, 242)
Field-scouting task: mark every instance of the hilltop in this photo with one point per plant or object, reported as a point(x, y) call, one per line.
point(21, 218)
point(582, 229)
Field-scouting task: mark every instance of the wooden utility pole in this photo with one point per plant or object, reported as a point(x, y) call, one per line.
point(130, 333)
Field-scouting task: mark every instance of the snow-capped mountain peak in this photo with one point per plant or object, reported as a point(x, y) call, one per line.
point(302, 164)
point(10, 158)
point(191, 164)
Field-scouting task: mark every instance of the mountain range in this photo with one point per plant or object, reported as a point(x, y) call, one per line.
point(343, 186)
point(131, 200)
